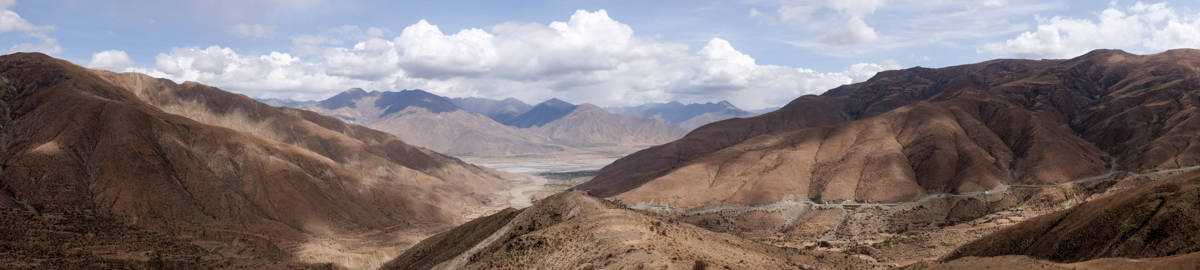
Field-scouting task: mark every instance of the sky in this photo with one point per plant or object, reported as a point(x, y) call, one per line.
point(754, 53)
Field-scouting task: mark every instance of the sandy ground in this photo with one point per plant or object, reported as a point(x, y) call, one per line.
point(523, 192)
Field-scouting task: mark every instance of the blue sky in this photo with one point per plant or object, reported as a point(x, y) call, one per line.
point(755, 53)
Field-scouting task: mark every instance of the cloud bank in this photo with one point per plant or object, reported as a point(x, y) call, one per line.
point(589, 58)
point(1141, 28)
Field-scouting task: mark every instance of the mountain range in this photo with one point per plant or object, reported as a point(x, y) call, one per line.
point(502, 111)
point(486, 127)
point(686, 116)
point(1084, 163)
point(284, 102)
point(1060, 164)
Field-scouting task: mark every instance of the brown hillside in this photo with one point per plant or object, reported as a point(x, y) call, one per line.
point(197, 162)
point(1138, 109)
point(957, 143)
point(574, 231)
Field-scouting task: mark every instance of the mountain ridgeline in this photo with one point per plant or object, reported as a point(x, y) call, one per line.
point(686, 116)
point(542, 114)
point(487, 127)
point(502, 111)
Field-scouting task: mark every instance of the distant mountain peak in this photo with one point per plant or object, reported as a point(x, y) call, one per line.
point(398, 101)
point(688, 115)
point(589, 107)
point(555, 102)
point(343, 99)
point(543, 113)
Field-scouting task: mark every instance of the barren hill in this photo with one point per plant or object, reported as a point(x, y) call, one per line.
point(588, 125)
point(574, 231)
point(917, 131)
point(201, 164)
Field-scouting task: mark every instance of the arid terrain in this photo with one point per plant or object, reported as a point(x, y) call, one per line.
point(919, 168)
point(192, 166)
point(1085, 163)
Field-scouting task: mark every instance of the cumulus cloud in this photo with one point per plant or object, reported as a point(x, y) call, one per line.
point(259, 75)
point(252, 30)
point(856, 31)
point(426, 52)
point(1140, 27)
point(850, 28)
point(112, 60)
point(10, 21)
point(588, 58)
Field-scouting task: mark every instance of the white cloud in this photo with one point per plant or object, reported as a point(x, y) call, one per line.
point(252, 30)
point(588, 58)
point(272, 74)
point(856, 31)
point(797, 14)
point(843, 21)
point(10, 21)
point(754, 13)
point(112, 60)
point(1140, 28)
point(428, 53)
point(863, 71)
point(857, 8)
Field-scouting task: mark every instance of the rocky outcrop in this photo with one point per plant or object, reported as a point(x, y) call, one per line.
point(1157, 220)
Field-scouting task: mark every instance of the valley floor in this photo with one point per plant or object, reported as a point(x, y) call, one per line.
point(540, 176)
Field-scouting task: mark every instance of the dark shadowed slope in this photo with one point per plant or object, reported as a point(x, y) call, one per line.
point(542, 113)
point(1141, 110)
point(500, 110)
point(393, 102)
